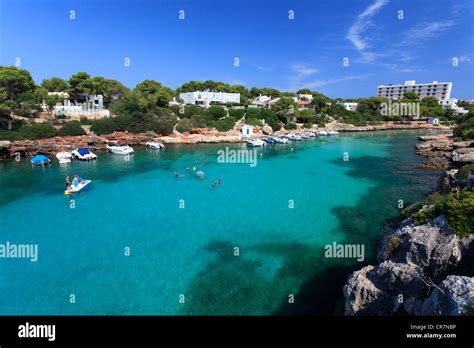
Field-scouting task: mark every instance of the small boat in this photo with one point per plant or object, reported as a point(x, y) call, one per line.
point(120, 149)
point(84, 154)
point(279, 140)
point(324, 133)
point(64, 157)
point(270, 140)
point(255, 142)
point(311, 134)
point(332, 132)
point(295, 137)
point(40, 160)
point(305, 135)
point(154, 145)
point(81, 185)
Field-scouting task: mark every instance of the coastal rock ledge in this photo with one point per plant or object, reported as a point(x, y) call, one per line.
point(417, 274)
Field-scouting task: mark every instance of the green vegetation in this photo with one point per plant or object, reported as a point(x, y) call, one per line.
point(72, 128)
point(457, 208)
point(216, 112)
point(465, 126)
point(464, 171)
point(225, 124)
point(33, 131)
point(415, 207)
point(184, 125)
point(290, 126)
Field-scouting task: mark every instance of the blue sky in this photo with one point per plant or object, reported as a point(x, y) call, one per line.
point(274, 51)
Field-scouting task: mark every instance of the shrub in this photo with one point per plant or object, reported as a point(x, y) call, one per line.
point(253, 122)
point(84, 120)
point(104, 126)
point(463, 172)
point(237, 113)
point(274, 124)
point(393, 243)
point(38, 131)
point(165, 124)
point(216, 112)
point(307, 125)
point(413, 208)
point(225, 124)
point(253, 113)
point(290, 126)
point(457, 208)
point(184, 125)
point(72, 128)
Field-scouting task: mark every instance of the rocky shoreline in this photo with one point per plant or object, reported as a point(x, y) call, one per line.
point(51, 146)
point(424, 269)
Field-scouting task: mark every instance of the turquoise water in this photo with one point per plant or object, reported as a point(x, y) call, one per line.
point(189, 251)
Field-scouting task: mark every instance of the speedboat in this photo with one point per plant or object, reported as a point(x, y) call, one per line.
point(311, 134)
point(305, 135)
point(81, 185)
point(332, 132)
point(120, 149)
point(255, 142)
point(40, 160)
point(322, 133)
point(279, 140)
point(154, 145)
point(84, 154)
point(294, 137)
point(64, 157)
point(270, 140)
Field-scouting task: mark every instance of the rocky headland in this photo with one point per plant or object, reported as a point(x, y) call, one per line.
point(424, 269)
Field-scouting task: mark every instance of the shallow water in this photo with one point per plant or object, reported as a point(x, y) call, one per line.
point(138, 204)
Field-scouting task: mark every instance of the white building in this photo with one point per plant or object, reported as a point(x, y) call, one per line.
point(246, 130)
point(262, 100)
point(452, 104)
point(206, 98)
point(84, 105)
point(439, 90)
point(305, 96)
point(349, 106)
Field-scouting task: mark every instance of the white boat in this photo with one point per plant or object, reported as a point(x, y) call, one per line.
point(154, 145)
point(279, 140)
point(322, 133)
point(81, 185)
point(305, 135)
point(64, 157)
point(84, 154)
point(332, 132)
point(120, 149)
point(255, 142)
point(294, 137)
point(311, 134)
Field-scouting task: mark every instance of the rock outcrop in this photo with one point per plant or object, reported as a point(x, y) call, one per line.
point(414, 260)
point(454, 296)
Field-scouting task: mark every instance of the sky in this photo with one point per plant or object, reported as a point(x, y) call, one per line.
point(342, 48)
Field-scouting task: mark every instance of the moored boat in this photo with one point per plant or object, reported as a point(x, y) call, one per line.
point(78, 186)
point(154, 145)
point(333, 132)
point(84, 154)
point(270, 140)
point(40, 160)
point(120, 149)
point(255, 142)
point(322, 133)
point(64, 157)
point(281, 140)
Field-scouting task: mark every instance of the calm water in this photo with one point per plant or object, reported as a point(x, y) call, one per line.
point(190, 250)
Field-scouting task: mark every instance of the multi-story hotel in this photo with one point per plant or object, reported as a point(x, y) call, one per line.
point(439, 90)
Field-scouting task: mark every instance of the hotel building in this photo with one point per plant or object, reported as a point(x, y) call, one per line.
point(439, 90)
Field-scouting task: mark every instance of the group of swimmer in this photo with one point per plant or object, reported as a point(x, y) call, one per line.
point(199, 173)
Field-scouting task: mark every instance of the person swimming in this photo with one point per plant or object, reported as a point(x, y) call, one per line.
point(216, 183)
point(176, 174)
point(68, 183)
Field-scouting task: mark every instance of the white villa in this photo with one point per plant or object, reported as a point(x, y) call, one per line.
point(206, 98)
point(452, 104)
point(85, 105)
point(305, 96)
point(349, 106)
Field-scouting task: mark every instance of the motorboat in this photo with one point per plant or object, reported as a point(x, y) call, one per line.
point(120, 149)
point(333, 132)
point(322, 133)
point(64, 157)
point(270, 140)
point(305, 135)
point(77, 187)
point(255, 142)
point(294, 137)
point(40, 160)
point(154, 145)
point(311, 134)
point(279, 140)
point(84, 154)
